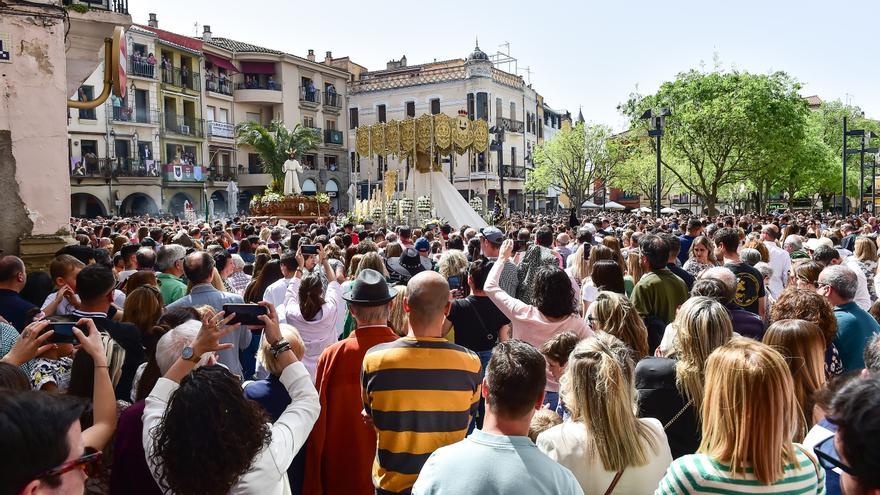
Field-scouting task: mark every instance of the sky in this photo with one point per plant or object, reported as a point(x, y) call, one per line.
point(583, 53)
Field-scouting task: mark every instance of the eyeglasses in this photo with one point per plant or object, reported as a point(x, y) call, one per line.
point(88, 463)
point(828, 456)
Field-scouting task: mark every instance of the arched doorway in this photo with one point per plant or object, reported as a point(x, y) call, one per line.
point(309, 188)
point(175, 206)
point(84, 205)
point(138, 204)
point(333, 191)
point(220, 206)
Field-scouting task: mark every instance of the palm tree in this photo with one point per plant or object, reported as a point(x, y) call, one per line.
point(273, 143)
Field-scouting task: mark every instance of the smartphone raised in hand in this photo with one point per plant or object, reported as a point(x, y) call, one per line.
point(309, 249)
point(245, 314)
point(63, 332)
point(519, 246)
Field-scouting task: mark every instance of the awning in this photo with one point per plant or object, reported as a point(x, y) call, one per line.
point(258, 67)
point(221, 62)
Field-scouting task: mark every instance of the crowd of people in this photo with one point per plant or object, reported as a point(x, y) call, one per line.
point(550, 354)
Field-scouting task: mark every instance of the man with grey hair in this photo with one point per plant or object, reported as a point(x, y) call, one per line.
point(854, 325)
point(872, 356)
point(829, 256)
point(169, 261)
point(238, 279)
point(794, 246)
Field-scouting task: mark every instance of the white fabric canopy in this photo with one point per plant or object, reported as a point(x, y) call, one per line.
point(645, 209)
point(449, 204)
point(668, 211)
point(611, 205)
point(589, 204)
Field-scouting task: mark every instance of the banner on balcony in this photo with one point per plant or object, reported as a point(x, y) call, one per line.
point(182, 172)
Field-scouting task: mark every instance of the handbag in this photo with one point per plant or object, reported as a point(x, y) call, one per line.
point(614, 482)
point(677, 415)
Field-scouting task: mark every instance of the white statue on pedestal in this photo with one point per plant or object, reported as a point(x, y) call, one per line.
point(292, 168)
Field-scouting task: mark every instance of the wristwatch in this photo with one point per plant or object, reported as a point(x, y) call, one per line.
point(189, 355)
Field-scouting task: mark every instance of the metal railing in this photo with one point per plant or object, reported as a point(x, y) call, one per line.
point(181, 77)
point(118, 6)
point(332, 99)
point(257, 84)
point(135, 115)
point(115, 167)
point(333, 137)
point(511, 125)
point(514, 172)
point(221, 129)
point(218, 85)
point(141, 68)
point(184, 126)
point(309, 95)
point(222, 175)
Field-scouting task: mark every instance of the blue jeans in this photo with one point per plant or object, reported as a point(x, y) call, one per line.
point(248, 356)
point(477, 421)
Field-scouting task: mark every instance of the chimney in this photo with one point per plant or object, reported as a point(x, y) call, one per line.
point(328, 57)
point(153, 23)
point(403, 61)
point(206, 35)
point(311, 55)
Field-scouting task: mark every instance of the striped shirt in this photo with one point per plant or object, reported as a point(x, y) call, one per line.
point(698, 473)
point(421, 393)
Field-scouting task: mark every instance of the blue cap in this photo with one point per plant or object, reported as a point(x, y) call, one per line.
point(422, 244)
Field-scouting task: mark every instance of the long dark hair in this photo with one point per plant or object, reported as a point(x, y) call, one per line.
point(311, 297)
point(607, 275)
point(231, 428)
point(270, 274)
point(553, 295)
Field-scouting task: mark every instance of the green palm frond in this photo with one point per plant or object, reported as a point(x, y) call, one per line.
point(272, 144)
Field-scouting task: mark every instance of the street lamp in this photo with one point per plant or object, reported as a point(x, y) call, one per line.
point(866, 136)
point(497, 145)
point(658, 122)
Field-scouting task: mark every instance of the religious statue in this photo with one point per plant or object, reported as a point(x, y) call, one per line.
point(292, 168)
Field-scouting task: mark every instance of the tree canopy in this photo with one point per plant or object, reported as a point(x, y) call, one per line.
point(273, 143)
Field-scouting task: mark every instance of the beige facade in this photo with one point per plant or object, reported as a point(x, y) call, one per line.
point(40, 70)
point(473, 86)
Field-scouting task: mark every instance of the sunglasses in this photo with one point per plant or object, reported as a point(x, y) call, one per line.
point(88, 463)
point(828, 456)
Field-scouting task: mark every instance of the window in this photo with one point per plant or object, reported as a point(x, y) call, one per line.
point(331, 163)
point(470, 106)
point(355, 165)
point(253, 117)
point(483, 106)
point(410, 109)
point(380, 110)
point(435, 106)
point(223, 115)
point(87, 93)
point(211, 112)
point(352, 118)
point(139, 49)
point(308, 121)
point(330, 125)
point(254, 164)
point(512, 157)
point(498, 110)
point(308, 162)
point(89, 150)
point(381, 164)
point(513, 110)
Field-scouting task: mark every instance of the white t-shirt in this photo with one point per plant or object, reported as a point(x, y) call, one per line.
point(566, 444)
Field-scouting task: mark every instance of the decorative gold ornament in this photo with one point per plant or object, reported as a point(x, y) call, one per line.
point(462, 138)
point(363, 141)
point(481, 135)
point(390, 184)
point(442, 133)
point(377, 139)
point(407, 137)
point(392, 138)
point(424, 133)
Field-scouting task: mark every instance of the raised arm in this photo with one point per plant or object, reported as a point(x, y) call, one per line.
point(507, 304)
point(103, 398)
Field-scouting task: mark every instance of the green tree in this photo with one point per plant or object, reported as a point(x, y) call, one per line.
point(724, 126)
point(273, 144)
point(638, 174)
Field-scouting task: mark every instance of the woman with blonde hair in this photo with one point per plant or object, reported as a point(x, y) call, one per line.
point(671, 389)
point(802, 345)
point(453, 262)
point(399, 317)
point(634, 270)
point(614, 314)
point(606, 446)
point(613, 244)
point(865, 258)
point(749, 418)
point(578, 265)
point(701, 256)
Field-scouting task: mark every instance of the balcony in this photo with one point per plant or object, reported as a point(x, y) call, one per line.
point(182, 78)
point(221, 129)
point(510, 125)
point(332, 101)
point(256, 91)
point(513, 172)
point(221, 85)
point(117, 6)
point(309, 97)
point(140, 67)
point(332, 136)
point(183, 126)
point(135, 115)
point(114, 168)
point(222, 175)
